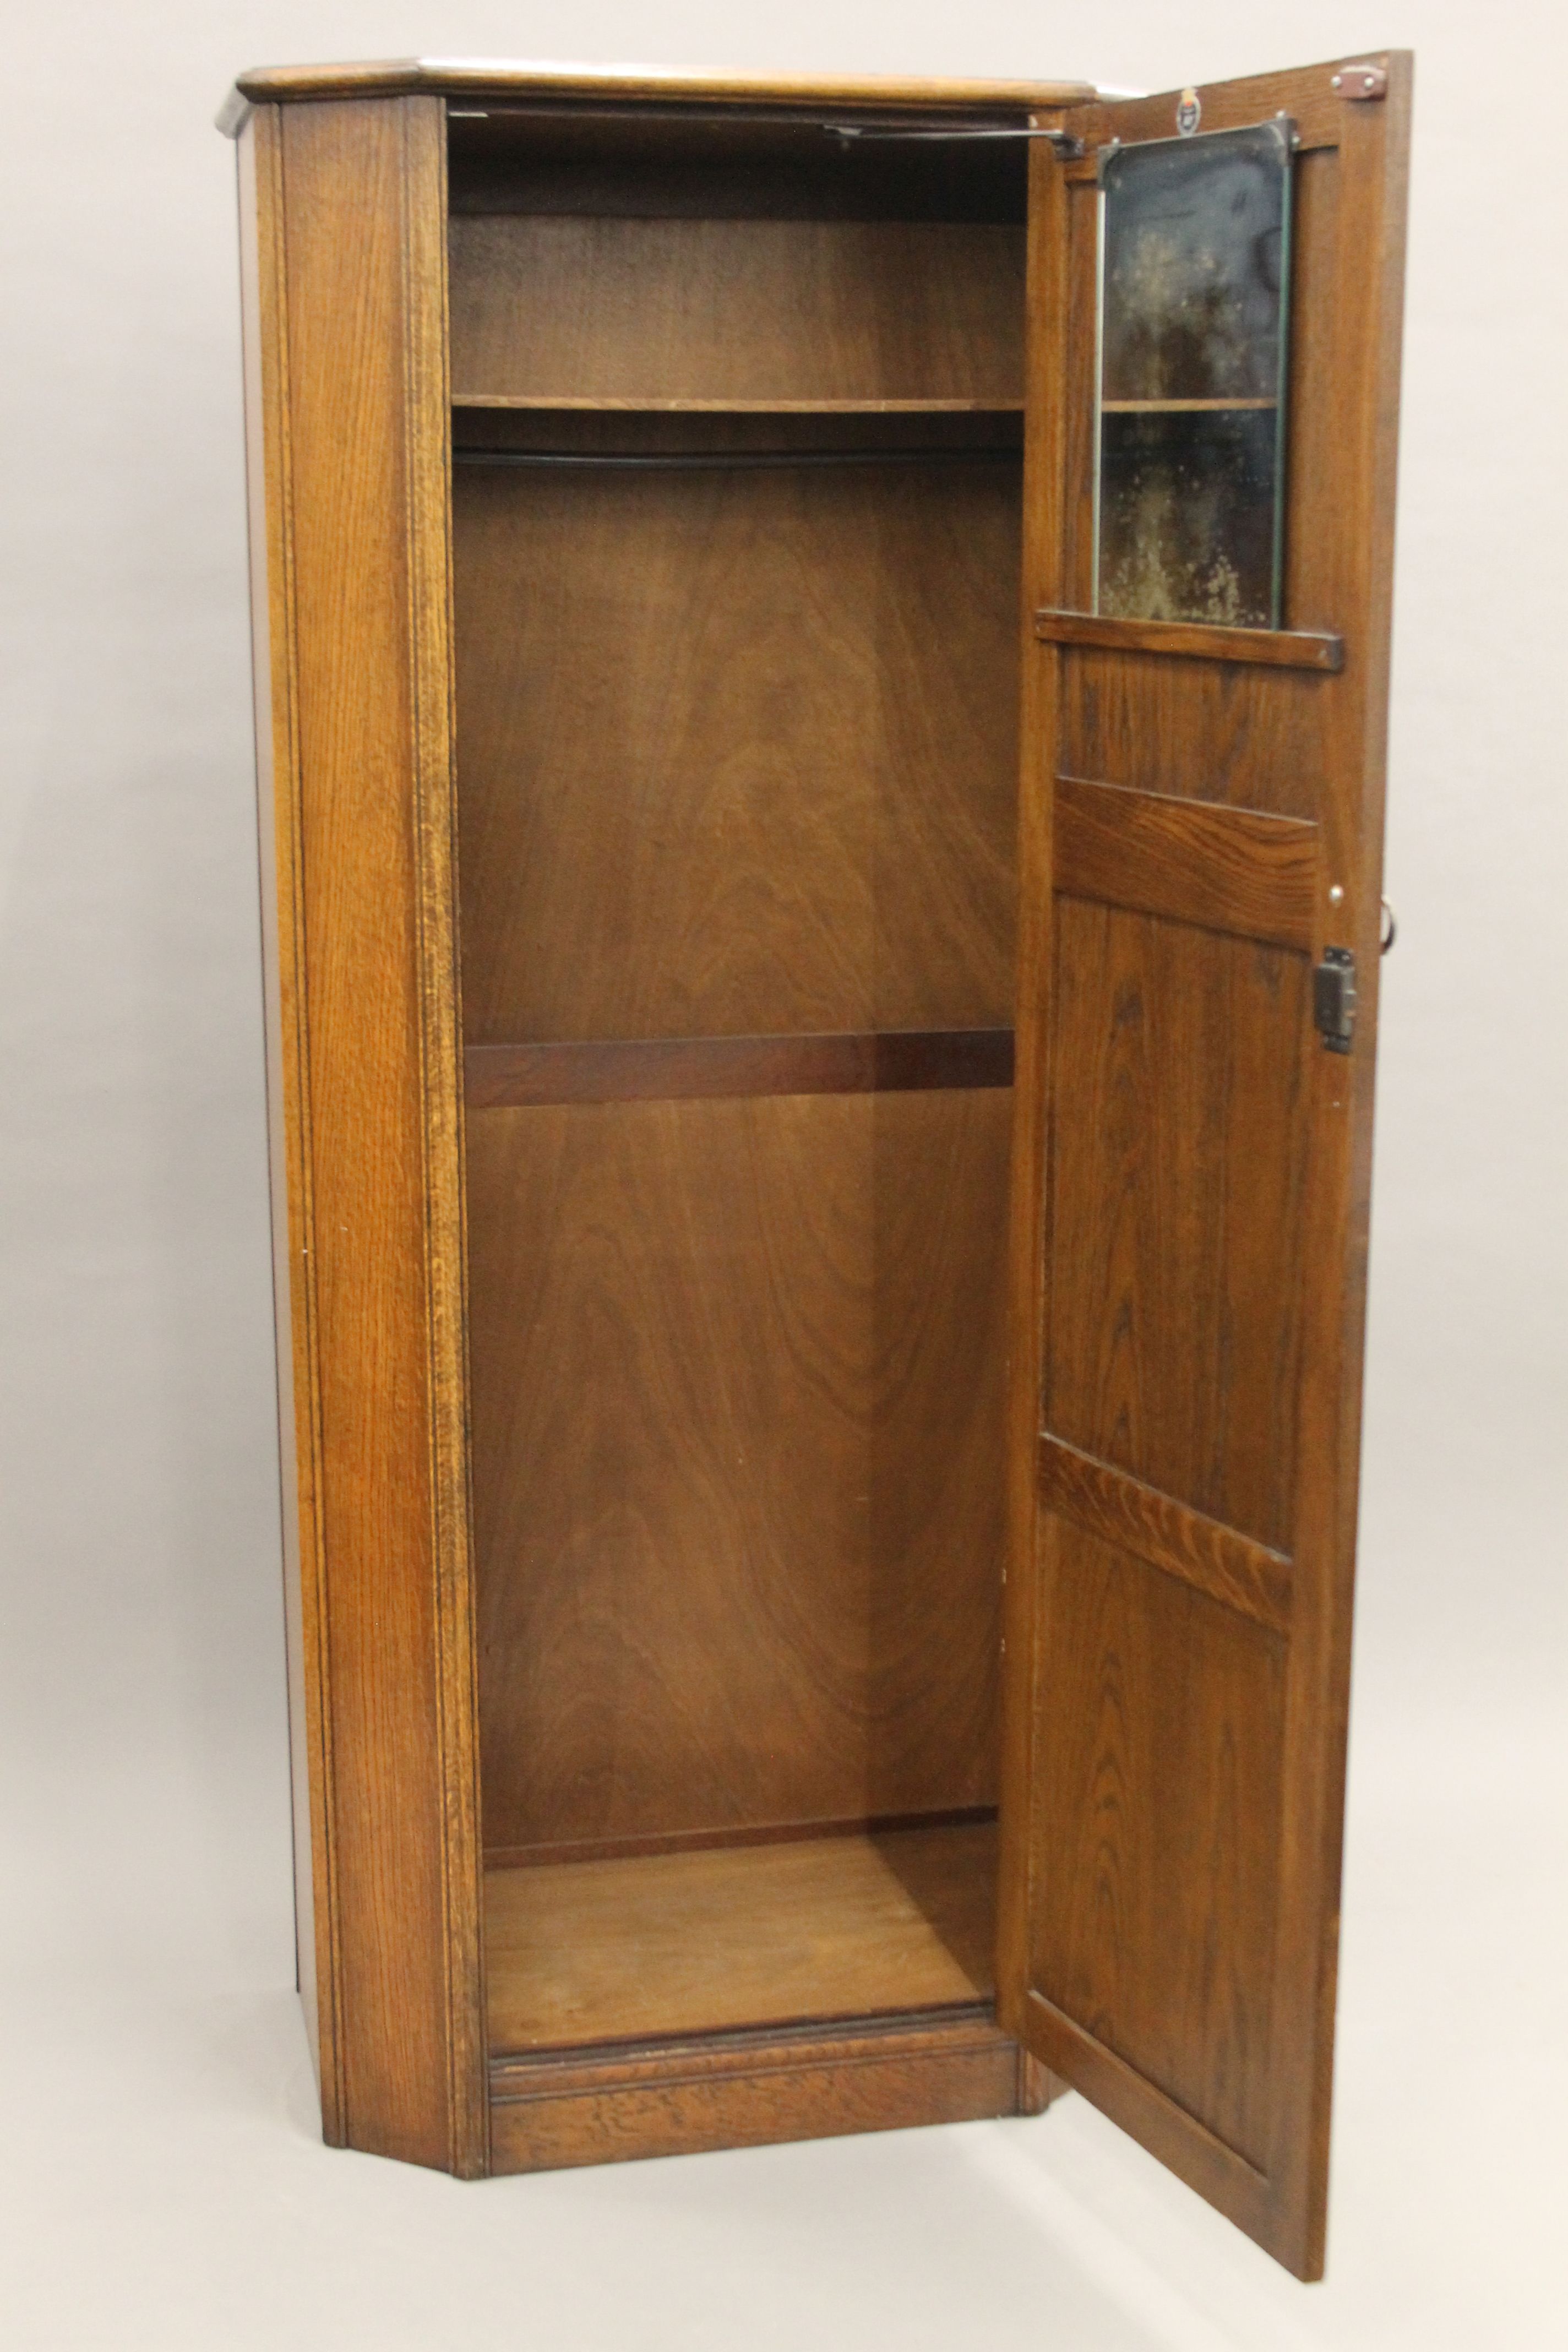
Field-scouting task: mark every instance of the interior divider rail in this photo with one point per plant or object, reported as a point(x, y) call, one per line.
point(677, 461)
point(1274, 648)
point(652, 1069)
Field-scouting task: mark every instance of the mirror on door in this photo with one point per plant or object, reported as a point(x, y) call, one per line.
point(1194, 297)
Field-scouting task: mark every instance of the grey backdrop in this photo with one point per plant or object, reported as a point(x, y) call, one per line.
point(162, 2182)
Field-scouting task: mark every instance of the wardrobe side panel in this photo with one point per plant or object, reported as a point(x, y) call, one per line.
point(261, 213)
point(350, 225)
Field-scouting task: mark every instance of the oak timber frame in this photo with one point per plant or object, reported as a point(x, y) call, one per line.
point(343, 217)
point(1306, 873)
point(349, 405)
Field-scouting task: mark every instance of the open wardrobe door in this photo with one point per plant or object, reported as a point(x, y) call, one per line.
point(1214, 309)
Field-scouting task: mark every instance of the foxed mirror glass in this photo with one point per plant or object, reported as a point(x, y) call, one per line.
point(1194, 258)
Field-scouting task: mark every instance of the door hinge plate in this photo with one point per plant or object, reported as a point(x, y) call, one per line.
point(1362, 82)
point(1333, 999)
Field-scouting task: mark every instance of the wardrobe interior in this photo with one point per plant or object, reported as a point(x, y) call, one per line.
point(737, 440)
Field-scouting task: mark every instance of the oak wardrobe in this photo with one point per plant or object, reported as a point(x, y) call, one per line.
point(822, 656)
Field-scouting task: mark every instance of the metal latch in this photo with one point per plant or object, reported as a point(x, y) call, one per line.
point(1333, 999)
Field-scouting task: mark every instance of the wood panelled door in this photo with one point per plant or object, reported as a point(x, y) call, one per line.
point(1201, 843)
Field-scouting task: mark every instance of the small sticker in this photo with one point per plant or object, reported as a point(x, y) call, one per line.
point(1189, 112)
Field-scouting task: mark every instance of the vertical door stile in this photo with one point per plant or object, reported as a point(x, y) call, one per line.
point(1045, 544)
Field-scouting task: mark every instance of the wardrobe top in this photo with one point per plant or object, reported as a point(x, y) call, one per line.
point(510, 78)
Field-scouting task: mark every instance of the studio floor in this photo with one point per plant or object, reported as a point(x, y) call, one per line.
point(163, 2186)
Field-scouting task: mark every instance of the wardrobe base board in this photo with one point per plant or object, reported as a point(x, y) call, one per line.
point(753, 2089)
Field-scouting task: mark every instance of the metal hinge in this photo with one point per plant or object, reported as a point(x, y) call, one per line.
point(1361, 82)
point(1333, 999)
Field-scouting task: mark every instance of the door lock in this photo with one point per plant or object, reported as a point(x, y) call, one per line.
point(1333, 999)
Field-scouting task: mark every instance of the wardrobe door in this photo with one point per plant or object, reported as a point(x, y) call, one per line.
point(1214, 309)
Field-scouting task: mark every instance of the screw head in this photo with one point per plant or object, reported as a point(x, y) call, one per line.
point(1336, 896)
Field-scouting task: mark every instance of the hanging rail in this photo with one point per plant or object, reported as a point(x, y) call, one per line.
point(1068, 149)
point(706, 460)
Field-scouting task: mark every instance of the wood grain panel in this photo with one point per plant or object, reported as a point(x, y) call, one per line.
point(1209, 736)
point(755, 1935)
point(737, 751)
point(1213, 1558)
point(737, 1459)
point(746, 2090)
point(317, 1959)
point(1198, 862)
point(669, 1069)
point(679, 163)
point(1175, 1263)
point(355, 461)
point(1159, 1805)
point(1168, 2130)
point(1191, 640)
point(737, 308)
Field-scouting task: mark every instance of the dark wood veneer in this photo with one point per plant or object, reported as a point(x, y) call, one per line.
point(736, 749)
point(674, 1305)
point(736, 309)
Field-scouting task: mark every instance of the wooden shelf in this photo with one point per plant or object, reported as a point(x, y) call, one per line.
point(740, 1935)
point(1179, 407)
point(681, 1070)
point(741, 407)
